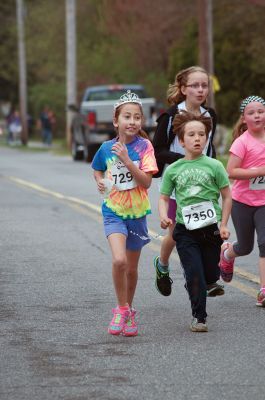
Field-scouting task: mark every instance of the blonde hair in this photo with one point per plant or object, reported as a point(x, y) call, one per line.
point(117, 112)
point(239, 128)
point(174, 94)
point(181, 119)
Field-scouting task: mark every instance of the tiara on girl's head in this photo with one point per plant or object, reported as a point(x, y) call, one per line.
point(128, 97)
point(250, 99)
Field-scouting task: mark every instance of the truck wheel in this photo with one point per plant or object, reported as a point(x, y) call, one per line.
point(89, 152)
point(76, 154)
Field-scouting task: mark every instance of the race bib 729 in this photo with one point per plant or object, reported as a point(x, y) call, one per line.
point(122, 177)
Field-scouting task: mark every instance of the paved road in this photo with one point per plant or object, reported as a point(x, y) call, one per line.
point(56, 296)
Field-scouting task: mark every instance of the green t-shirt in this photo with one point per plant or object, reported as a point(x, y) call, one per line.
point(195, 181)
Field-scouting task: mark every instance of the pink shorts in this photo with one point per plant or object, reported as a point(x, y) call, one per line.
point(172, 209)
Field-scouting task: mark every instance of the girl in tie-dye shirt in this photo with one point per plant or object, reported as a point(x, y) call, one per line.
point(126, 164)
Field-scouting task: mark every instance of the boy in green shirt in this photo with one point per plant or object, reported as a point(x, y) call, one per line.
point(198, 182)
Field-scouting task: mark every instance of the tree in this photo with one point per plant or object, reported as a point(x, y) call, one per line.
point(8, 52)
point(239, 61)
point(45, 38)
point(147, 30)
point(141, 41)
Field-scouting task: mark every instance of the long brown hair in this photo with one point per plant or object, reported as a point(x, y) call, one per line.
point(174, 93)
point(141, 132)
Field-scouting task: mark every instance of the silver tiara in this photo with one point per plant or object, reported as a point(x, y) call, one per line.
point(250, 99)
point(128, 97)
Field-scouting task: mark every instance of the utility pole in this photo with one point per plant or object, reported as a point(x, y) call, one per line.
point(206, 59)
point(22, 72)
point(70, 64)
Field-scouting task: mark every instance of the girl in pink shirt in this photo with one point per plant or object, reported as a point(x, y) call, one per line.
point(246, 166)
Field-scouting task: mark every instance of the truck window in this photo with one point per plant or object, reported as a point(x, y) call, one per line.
point(112, 94)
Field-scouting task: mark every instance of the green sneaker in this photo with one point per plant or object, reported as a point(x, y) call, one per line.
point(163, 281)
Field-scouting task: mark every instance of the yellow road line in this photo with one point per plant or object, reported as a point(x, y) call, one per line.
point(247, 275)
point(82, 203)
point(57, 195)
point(91, 214)
point(243, 288)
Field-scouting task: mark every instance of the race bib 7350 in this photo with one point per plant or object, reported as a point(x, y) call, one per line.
point(199, 215)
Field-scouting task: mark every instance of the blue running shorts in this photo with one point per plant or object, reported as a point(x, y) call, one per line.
point(134, 229)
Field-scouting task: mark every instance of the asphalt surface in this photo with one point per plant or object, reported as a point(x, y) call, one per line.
point(56, 296)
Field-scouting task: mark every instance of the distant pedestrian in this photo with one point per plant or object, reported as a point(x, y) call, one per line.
point(197, 181)
point(47, 122)
point(123, 167)
point(246, 165)
point(189, 92)
point(14, 127)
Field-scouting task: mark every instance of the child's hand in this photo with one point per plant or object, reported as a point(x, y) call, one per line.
point(105, 186)
point(101, 186)
point(121, 151)
point(165, 222)
point(224, 232)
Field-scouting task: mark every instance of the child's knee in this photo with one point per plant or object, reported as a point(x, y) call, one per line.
point(242, 251)
point(119, 263)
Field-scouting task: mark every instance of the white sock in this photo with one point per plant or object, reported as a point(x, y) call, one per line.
point(226, 255)
point(162, 267)
point(162, 264)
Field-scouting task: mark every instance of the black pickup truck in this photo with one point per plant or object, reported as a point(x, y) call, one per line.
point(92, 123)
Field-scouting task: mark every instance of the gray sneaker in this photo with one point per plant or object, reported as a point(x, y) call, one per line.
point(198, 325)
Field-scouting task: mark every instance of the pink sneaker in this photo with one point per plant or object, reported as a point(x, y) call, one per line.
point(261, 298)
point(226, 267)
point(130, 327)
point(118, 321)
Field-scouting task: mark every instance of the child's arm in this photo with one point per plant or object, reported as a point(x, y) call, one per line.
point(162, 210)
point(236, 172)
point(142, 178)
point(226, 210)
point(99, 175)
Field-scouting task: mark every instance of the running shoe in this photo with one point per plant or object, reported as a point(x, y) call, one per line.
point(215, 289)
point(226, 266)
point(198, 325)
point(163, 281)
point(130, 327)
point(118, 321)
point(261, 298)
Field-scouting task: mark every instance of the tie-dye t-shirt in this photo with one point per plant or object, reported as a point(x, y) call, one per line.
point(126, 199)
